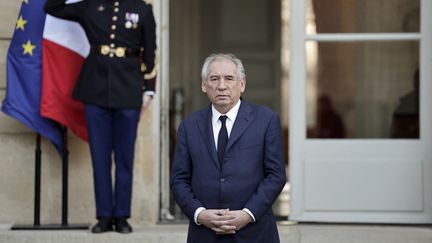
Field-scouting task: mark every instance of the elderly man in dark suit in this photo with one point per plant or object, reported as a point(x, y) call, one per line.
point(116, 82)
point(228, 166)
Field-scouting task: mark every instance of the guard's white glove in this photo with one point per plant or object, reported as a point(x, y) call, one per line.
point(146, 101)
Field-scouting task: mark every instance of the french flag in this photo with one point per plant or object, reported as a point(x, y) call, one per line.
point(64, 48)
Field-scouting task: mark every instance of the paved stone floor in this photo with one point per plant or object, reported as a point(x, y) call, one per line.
point(289, 233)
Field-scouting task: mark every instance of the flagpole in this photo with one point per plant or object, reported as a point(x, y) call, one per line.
point(38, 168)
point(65, 158)
point(38, 154)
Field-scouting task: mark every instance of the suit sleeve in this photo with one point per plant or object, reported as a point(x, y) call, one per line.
point(149, 55)
point(181, 176)
point(274, 171)
point(60, 9)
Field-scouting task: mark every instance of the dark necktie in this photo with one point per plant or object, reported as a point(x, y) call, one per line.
point(222, 139)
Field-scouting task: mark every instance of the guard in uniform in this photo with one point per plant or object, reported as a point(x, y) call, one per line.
point(116, 80)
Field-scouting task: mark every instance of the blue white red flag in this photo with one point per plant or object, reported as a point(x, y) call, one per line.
point(43, 62)
point(65, 46)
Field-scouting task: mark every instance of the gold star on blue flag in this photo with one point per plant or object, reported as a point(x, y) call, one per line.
point(24, 73)
point(28, 48)
point(21, 23)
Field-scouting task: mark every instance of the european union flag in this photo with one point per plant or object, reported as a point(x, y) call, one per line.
point(24, 73)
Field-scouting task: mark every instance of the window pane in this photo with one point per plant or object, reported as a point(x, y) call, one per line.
point(362, 89)
point(347, 16)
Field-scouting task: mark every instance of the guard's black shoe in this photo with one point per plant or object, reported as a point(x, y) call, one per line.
point(122, 226)
point(103, 225)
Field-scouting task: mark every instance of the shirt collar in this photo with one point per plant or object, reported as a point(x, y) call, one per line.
point(231, 114)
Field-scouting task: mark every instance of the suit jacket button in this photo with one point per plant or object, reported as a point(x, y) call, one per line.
point(222, 180)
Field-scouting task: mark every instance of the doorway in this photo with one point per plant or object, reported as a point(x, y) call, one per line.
point(250, 29)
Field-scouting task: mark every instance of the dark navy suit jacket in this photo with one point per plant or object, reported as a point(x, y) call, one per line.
point(252, 174)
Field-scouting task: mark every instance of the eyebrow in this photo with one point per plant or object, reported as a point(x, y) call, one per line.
point(218, 76)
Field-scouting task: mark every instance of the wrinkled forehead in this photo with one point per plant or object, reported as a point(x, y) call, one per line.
point(222, 67)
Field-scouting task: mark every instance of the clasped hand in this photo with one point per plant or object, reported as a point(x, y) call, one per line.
point(224, 221)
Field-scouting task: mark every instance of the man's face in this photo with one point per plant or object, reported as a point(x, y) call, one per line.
point(222, 85)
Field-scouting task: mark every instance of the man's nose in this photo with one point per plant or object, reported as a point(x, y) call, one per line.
point(222, 84)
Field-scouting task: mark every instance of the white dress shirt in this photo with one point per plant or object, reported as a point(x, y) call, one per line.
point(216, 123)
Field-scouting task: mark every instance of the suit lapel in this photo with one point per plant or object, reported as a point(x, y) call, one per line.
point(244, 118)
point(206, 130)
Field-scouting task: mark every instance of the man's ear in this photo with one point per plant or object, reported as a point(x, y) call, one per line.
point(203, 87)
point(243, 85)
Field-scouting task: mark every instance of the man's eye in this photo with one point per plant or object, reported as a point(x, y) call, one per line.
point(214, 79)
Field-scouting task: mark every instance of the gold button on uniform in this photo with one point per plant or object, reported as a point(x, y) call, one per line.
point(104, 50)
point(116, 10)
point(111, 55)
point(120, 52)
point(112, 45)
point(113, 27)
point(114, 18)
point(112, 36)
point(116, 4)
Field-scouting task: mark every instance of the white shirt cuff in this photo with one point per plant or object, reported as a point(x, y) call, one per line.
point(151, 93)
point(196, 214)
point(250, 214)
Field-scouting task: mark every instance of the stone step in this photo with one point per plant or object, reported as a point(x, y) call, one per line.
point(289, 233)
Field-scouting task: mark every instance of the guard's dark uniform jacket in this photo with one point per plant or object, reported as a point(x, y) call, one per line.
point(121, 63)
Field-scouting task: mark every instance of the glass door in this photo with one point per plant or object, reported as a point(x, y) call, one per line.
point(360, 133)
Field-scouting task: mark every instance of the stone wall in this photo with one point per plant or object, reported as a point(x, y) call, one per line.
point(17, 146)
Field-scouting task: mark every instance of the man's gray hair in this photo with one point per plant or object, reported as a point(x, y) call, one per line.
point(241, 75)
